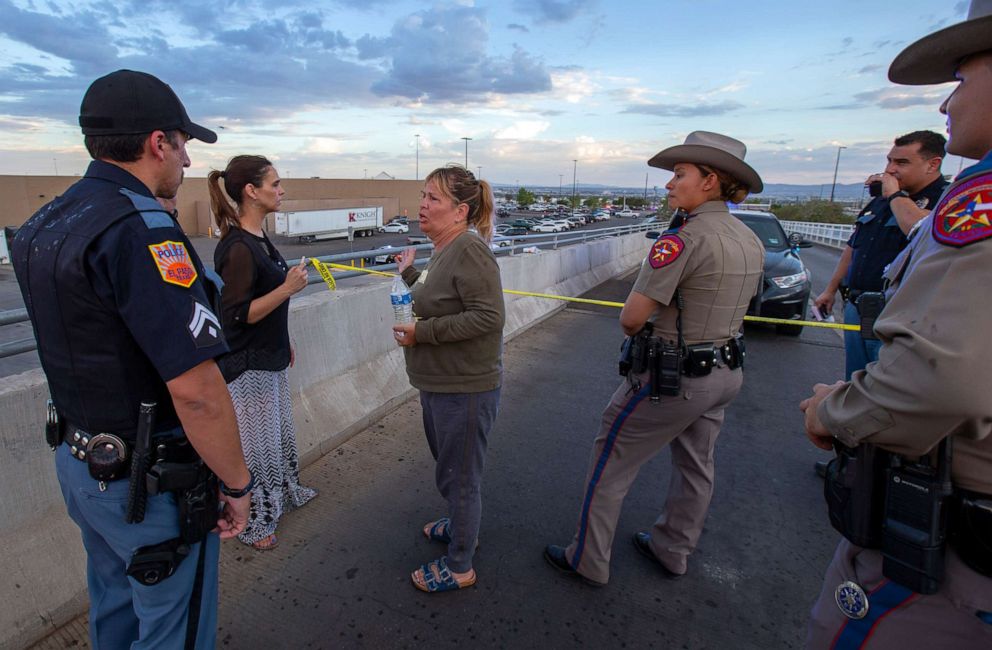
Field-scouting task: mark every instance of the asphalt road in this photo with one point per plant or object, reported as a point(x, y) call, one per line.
point(340, 576)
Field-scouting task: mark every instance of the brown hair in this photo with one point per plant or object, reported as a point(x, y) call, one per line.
point(731, 189)
point(124, 148)
point(460, 185)
point(240, 171)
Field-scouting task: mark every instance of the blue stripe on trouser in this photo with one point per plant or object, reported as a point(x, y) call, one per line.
point(885, 599)
point(597, 473)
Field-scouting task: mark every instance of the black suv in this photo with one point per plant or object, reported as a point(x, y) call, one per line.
point(786, 287)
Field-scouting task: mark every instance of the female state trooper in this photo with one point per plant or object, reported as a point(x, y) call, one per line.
point(683, 316)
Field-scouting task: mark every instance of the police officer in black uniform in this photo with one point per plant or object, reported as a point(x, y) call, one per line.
point(124, 314)
point(906, 191)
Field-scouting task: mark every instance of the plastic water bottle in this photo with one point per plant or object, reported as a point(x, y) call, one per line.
point(402, 301)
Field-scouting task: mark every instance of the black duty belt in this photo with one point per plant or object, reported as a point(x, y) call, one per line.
point(167, 447)
point(701, 358)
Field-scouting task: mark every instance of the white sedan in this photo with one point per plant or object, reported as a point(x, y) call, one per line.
point(394, 226)
point(546, 227)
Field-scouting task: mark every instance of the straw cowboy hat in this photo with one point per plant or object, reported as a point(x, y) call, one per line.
point(935, 58)
point(708, 148)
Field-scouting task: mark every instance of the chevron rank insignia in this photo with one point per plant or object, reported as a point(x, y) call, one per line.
point(965, 214)
point(174, 263)
point(665, 251)
point(203, 326)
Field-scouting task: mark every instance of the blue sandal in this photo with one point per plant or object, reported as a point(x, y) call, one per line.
point(438, 578)
point(439, 531)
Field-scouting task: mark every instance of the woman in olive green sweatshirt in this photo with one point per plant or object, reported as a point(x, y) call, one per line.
point(454, 357)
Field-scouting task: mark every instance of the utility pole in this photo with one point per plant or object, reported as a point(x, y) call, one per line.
point(417, 136)
point(575, 164)
point(836, 165)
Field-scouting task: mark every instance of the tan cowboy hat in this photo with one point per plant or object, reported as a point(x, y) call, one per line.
point(708, 148)
point(935, 58)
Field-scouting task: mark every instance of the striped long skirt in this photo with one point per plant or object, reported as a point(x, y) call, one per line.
point(265, 419)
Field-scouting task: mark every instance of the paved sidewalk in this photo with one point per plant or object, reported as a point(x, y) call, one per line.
point(340, 577)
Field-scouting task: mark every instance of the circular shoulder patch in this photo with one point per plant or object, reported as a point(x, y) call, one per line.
point(665, 251)
point(964, 216)
point(851, 600)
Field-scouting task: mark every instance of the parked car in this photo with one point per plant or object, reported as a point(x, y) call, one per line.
point(394, 226)
point(413, 240)
point(626, 213)
point(514, 231)
point(500, 242)
point(388, 256)
point(578, 221)
point(546, 227)
point(786, 288)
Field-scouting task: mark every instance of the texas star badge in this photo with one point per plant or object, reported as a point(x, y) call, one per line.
point(964, 216)
point(174, 263)
point(665, 251)
point(851, 600)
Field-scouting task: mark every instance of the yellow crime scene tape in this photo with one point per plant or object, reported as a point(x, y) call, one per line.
point(605, 303)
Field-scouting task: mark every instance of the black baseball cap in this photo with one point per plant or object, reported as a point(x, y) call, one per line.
point(128, 102)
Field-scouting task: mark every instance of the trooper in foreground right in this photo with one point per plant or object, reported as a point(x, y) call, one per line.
point(924, 405)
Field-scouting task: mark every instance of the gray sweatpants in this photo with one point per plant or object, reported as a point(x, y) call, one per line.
point(457, 427)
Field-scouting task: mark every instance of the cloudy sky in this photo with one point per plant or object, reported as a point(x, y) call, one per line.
point(340, 88)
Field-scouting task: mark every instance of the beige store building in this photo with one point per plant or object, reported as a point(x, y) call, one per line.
point(21, 196)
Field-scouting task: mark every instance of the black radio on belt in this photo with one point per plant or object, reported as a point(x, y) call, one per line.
point(665, 364)
point(917, 501)
point(870, 305)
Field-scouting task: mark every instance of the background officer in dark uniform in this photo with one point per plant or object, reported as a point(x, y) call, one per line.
point(910, 187)
point(929, 387)
point(124, 313)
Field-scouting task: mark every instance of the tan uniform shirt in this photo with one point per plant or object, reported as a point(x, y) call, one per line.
point(716, 262)
point(934, 370)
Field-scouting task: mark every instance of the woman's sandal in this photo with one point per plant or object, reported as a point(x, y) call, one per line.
point(435, 577)
point(266, 543)
point(439, 531)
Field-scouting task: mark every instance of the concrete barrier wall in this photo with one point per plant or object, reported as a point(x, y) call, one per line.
point(348, 373)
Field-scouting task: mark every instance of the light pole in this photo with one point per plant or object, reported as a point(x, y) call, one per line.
point(575, 165)
point(836, 165)
point(466, 151)
point(560, 176)
point(480, 172)
point(417, 136)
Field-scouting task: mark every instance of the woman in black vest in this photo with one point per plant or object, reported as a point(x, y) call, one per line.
point(255, 316)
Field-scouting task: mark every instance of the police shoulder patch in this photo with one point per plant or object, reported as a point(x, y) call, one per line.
point(964, 216)
point(174, 263)
point(665, 251)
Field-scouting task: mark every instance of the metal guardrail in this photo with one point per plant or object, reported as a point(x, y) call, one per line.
point(541, 240)
point(829, 234)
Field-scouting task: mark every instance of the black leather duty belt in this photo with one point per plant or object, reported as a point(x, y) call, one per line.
point(701, 358)
point(166, 448)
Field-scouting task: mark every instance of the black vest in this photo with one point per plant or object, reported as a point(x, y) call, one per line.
point(96, 372)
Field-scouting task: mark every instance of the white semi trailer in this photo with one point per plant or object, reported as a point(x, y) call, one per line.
point(311, 225)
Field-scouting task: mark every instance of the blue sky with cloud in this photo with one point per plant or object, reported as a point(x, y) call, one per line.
point(340, 88)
